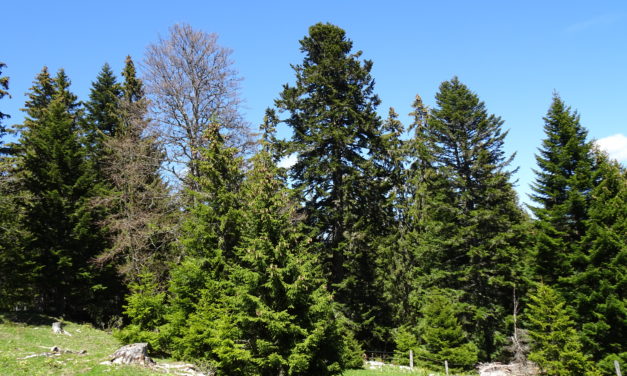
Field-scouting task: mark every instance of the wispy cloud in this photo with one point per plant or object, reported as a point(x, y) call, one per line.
point(615, 146)
point(602, 20)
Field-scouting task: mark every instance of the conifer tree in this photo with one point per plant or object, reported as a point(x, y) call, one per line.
point(103, 112)
point(140, 216)
point(600, 294)
point(278, 307)
point(556, 346)
point(469, 230)
point(11, 252)
point(561, 190)
point(342, 171)
point(57, 183)
point(210, 233)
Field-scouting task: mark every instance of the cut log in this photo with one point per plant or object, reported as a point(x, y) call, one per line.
point(136, 353)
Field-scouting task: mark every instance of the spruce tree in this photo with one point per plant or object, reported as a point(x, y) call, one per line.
point(342, 171)
point(12, 287)
point(57, 183)
point(279, 311)
point(469, 230)
point(600, 293)
point(141, 215)
point(103, 106)
point(564, 179)
point(556, 346)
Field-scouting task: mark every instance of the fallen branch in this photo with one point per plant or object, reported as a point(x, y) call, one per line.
point(54, 351)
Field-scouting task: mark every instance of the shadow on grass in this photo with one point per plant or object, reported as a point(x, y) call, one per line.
point(26, 318)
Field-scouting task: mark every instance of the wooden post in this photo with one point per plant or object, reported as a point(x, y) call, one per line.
point(411, 359)
point(446, 366)
point(617, 368)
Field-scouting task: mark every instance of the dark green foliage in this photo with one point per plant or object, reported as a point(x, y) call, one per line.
point(601, 289)
point(103, 112)
point(249, 299)
point(342, 171)
point(556, 346)
point(562, 188)
point(132, 88)
point(465, 231)
point(57, 183)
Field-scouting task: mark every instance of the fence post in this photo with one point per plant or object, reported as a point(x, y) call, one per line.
point(446, 366)
point(617, 368)
point(411, 359)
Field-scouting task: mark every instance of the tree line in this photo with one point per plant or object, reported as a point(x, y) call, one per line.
point(152, 206)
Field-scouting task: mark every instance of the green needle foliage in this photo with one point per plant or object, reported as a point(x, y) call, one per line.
point(564, 179)
point(342, 171)
point(58, 182)
point(601, 289)
point(556, 346)
point(466, 231)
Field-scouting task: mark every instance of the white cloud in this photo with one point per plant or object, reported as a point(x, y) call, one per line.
point(615, 146)
point(288, 161)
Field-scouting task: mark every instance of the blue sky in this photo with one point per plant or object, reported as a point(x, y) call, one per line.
point(512, 54)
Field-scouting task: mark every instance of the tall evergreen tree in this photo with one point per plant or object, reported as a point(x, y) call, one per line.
point(601, 289)
point(470, 235)
point(342, 171)
point(11, 253)
point(564, 179)
point(140, 216)
point(57, 183)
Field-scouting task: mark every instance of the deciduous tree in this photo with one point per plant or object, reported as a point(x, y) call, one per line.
point(191, 83)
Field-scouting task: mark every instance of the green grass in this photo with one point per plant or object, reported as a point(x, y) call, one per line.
point(394, 371)
point(24, 335)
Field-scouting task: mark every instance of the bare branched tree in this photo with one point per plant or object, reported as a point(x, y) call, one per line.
point(192, 84)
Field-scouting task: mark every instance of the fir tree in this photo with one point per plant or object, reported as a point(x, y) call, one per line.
point(600, 294)
point(11, 233)
point(278, 308)
point(57, 183)
point(468, 229)
point(562, 187)
point(342, 171)
point(556, 346)
point(103, 112)
point(132, 87)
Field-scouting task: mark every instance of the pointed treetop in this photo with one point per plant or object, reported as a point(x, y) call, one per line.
point(132, 87)
point(40, 95)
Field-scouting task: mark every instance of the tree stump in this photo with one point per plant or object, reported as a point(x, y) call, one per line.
point(57, 328)
point(136, 353)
